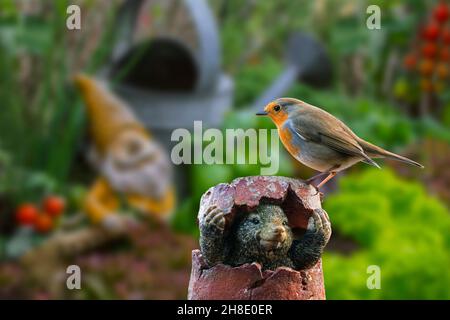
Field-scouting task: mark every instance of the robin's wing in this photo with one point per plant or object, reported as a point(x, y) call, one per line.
point(329, 131)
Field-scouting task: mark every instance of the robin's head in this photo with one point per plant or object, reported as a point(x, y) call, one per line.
point(279, 109)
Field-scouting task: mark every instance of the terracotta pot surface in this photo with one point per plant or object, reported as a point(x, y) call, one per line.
point(248, 282)
point(297, 198)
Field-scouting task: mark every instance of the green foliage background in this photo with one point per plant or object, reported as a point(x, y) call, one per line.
point(398, 227)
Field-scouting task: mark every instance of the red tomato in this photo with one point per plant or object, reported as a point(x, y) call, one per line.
point(43, 223)
point(54, 205)
point(431, 32)
point(26, 214)
point(445, 54)
point(426, 67)
point(410, 61)
point(446, 36)
point(441, 12)
point(429, 50)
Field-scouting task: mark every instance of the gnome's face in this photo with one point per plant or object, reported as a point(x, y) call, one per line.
point(136, 164)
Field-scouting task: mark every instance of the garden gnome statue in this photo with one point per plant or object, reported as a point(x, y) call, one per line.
point(134, 171)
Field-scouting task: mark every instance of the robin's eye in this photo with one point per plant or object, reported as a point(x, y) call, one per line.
point(276, 108)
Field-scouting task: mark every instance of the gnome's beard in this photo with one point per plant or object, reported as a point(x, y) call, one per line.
point(146, 173)
point(144, 181)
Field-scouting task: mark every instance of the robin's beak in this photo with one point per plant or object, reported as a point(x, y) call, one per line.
point(261, 113)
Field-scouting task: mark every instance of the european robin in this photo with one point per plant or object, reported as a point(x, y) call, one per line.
point(321, 141)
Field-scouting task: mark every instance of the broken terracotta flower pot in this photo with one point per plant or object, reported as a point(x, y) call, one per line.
point(298, 200)
point(248, 282)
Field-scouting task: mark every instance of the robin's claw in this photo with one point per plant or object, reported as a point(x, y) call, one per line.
point(316, 188)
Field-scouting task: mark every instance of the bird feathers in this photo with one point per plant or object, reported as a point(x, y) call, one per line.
point(377, 152)
point(337, 137)
point(316, 125)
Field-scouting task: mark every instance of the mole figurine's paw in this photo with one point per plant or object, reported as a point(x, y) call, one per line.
point(319, 226)
point(213, 220)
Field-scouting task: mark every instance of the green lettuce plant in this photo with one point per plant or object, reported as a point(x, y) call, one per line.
point(398, 227)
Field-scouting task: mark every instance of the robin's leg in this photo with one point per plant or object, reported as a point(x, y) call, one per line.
point(329, 177)
point(316, 176)
point(330, 172)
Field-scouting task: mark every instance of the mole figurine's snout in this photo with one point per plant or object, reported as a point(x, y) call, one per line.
point(273, 235)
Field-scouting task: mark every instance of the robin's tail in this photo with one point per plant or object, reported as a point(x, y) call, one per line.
point(374, 151)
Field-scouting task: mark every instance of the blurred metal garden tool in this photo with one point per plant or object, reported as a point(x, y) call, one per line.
point(307, 61)
point(166, 65)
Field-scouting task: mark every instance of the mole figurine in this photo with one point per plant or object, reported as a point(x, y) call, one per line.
point(263, 236)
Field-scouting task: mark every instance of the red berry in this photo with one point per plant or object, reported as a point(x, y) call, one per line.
point(446, 36)
point(429, 50)
point(431, 32)
point(54, 205)
point(43, 223)
point(426, 67)
point(410, 61)
point(26, 214)
point(444, 54)
point(441, 12)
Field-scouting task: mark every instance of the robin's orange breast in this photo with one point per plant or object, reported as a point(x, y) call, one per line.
point(288, 141)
